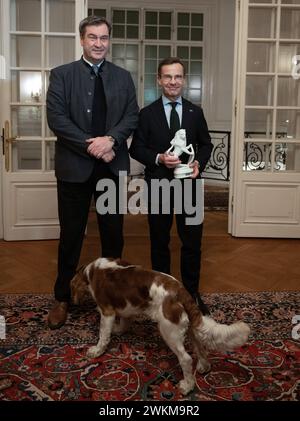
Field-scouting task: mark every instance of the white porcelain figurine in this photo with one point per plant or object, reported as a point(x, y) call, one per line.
point(178, 147)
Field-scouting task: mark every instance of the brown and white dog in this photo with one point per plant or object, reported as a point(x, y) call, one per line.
point(125, 290)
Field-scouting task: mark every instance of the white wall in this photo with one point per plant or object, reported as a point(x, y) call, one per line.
point(219, 114)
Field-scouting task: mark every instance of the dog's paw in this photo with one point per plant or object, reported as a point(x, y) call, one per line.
point(203, 367)
point(185, 386)
point(93, 352)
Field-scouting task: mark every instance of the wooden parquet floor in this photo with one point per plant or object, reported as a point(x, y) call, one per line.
point(228, 264)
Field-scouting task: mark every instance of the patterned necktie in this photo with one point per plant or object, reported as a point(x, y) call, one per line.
point(174, 119)
point(95, 69)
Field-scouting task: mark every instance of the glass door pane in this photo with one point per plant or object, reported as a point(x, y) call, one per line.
point(262, 22)
point(192, 60)
point(25, 51)
point(27, 155)
point(127, 56)
point(25, 15)
point(290, 23)
point(26, 86)
point(60, 16)
point(34, 51)
point(26, 121)
point(261, 56)
point(272, 94)
point(59, 50)
point(153, 55)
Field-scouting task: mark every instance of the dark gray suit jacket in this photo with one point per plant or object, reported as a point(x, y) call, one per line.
point(153, 136)
point(69, 114)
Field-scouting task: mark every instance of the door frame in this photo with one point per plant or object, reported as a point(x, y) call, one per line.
point(233, 159)
point(3, 81)
point(34, 183)
point(248, 187)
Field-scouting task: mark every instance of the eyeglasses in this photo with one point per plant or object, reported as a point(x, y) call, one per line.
point(169, 78)
point(102, 38)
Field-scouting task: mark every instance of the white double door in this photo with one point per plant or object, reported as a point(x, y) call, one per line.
point(265, 171)
point(37, 35)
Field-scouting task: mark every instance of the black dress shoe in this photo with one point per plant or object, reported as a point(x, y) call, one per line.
point(203, 308)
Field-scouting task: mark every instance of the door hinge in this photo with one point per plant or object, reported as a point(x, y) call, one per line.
point(232, 203)
point(235, 108)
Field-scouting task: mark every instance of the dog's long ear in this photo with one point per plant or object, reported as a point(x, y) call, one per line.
point(79, 285)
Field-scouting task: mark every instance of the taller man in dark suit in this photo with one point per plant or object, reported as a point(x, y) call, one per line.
point(157, 125)
point(92, 109)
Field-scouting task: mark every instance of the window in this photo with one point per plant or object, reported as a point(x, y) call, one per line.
point(97, 12)
point(190, 26)
point(126, 56)
point(142, 38)
point(192, 58)
point(272, 112)
point(125, 24)
point(158, 25)
point(153, 55)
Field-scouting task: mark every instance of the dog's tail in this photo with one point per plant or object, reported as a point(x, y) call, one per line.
point(212, 335)
point(220, 337)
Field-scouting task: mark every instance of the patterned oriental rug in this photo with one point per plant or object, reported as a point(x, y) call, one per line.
point(39, 364)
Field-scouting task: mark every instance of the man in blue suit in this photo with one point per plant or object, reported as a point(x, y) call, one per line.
point(158, 123)
point(92, 109)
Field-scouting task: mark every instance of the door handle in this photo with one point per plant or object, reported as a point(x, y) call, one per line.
point(7, 140)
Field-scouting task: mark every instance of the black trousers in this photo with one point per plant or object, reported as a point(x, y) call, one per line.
point(190, 236)
point(73, 208)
